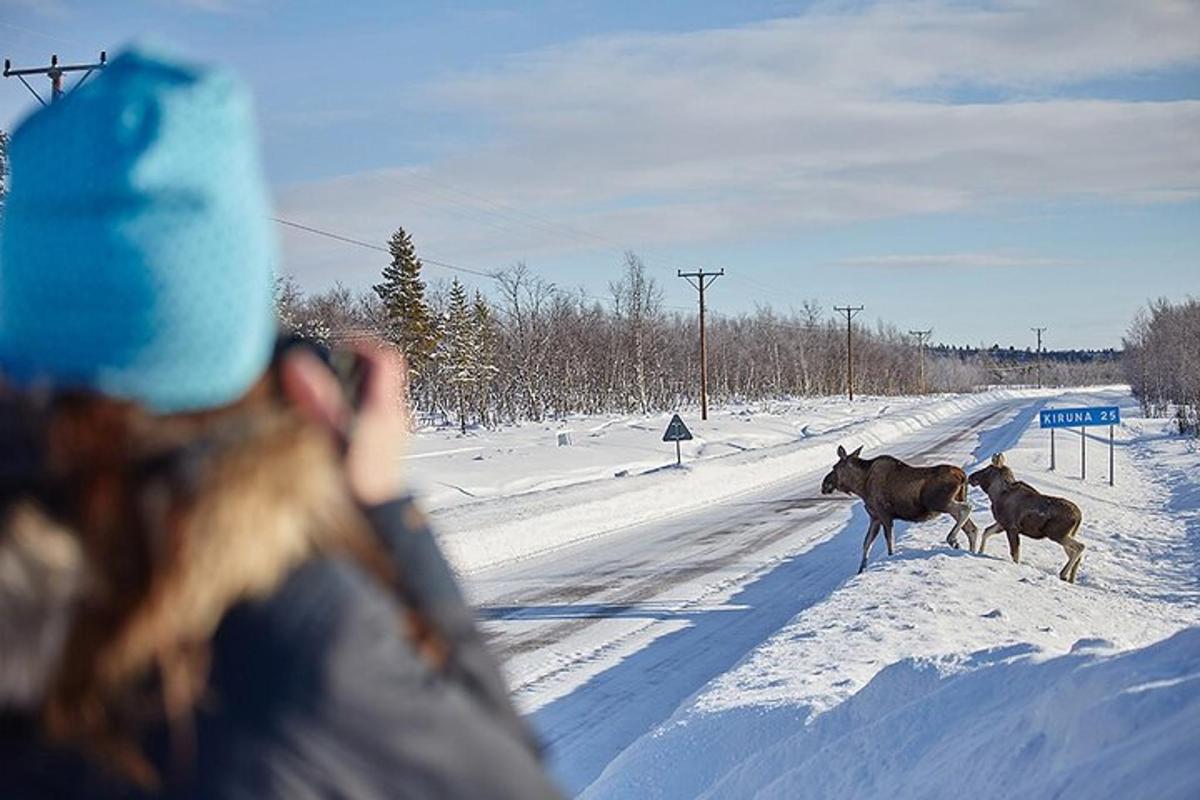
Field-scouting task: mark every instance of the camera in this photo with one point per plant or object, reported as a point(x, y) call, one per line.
point(349, 367)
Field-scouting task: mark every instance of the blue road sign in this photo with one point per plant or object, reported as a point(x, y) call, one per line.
point(1080, 417)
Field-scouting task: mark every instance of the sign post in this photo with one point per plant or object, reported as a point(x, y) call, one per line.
point(1083, 418)
point(1110, 455)
point(677, 432)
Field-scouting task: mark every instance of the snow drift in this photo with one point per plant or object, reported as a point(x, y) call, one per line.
point(1092, 723)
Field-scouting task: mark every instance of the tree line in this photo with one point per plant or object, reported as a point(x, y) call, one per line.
point(529, 349)
point(1162, 361)
point(1053, 368)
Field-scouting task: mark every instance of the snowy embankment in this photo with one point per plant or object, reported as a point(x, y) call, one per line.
point(1005, 722)
point(501, 496)
point(945, 674)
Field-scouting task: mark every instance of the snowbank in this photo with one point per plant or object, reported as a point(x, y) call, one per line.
point(1006, 722)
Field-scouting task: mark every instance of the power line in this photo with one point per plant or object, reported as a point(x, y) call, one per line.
point(55, 73)
point(1038, 360)
point(360, 243)
point(490, 275)
point(701, 280)
point(922, 337)
point(851, 312)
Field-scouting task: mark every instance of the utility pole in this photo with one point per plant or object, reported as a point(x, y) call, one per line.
point(922, 336)
point(1038, 362)
point(55, 73)
point(701, 280)
point(850, 312)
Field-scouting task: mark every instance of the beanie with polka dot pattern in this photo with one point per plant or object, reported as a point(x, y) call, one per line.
point(136, 255)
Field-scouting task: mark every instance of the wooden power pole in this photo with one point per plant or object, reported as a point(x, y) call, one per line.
point(850, 312)
point(1038, 361)
point(701, 280)
point(55, 73)
point(922, 337)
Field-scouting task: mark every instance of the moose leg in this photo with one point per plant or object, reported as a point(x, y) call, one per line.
point(872, 532)
point(1014, 546)
point(1064, 574)
point(990, 530)
point(1078, 558)
point(1074, 549)
point(972, 533)
point(961, 513)
point(887, 535)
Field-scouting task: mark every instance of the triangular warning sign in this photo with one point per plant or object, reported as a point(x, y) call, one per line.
point(676, 431)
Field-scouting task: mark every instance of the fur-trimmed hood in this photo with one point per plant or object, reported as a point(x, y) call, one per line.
point(41, 577)
point(118, 595)
point(135, 570)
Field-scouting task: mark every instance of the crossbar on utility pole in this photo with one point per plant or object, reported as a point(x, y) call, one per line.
point(851, 312)
point(1038, 361)
point(922, 337)
point(55, 73)
point(701, 280)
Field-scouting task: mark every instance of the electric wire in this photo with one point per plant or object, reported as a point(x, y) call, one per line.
point(491, 275)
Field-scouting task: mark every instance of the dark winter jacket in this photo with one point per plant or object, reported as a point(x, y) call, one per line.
point(315, 693)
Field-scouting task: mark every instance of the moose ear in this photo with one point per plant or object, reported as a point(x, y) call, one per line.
point(841, 452)
point(998, 460)
point(856, 452)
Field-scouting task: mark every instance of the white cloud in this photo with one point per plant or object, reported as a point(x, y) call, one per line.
point(53, 9)
point(840, 115)
point(218, 6)
point(955, 261)
point(840, 52)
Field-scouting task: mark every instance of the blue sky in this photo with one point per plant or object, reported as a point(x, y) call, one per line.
point(974, 168)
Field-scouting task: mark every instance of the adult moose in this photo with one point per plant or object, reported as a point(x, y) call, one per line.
point(892, 490)
point(1021, 510)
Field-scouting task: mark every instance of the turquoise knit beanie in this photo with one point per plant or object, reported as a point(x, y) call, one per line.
point(136, 258)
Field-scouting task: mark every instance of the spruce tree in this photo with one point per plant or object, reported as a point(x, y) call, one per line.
point(410, 325)
point(461, 350)
point(484, 327)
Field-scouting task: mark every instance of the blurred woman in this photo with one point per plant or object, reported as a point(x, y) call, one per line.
point(211, 582)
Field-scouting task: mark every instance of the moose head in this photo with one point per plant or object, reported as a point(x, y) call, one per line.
point(841, 477)
point(996, 470)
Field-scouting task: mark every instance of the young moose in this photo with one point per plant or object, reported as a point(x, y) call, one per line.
point(891, 490)
point(1021, 510)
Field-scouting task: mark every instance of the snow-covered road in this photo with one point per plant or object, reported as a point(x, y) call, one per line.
point(658, 659)
point(605, 640)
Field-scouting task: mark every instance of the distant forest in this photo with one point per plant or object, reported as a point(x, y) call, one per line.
point(1009, 365)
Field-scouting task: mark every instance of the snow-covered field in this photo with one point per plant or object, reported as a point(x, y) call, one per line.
point(702, 632)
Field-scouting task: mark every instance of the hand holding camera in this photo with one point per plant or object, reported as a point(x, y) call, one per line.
point(359, 395)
